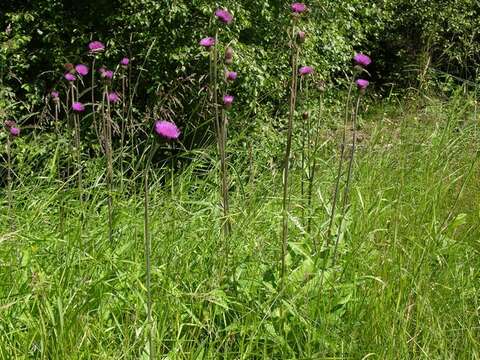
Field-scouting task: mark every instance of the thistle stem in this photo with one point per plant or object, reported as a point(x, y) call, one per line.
point(148, 250)
point(340, 163)
point(9, 184)
point(311, 172)
point(293, 98)
point(347, 184)
point(108, 150)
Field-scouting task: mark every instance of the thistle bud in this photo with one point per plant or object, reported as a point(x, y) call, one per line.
point(301, 36)
point(229, 55)
point(10, 123)
point(69, 67)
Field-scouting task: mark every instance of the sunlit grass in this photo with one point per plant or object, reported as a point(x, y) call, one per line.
point(405, 285)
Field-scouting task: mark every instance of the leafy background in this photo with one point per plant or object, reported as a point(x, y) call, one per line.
point(404, 37)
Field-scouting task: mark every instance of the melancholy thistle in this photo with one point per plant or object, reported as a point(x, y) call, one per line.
point(95, 47)
point(170, 132)
point(305, 70)
point(113, 97)
point(301, 35)
point(298, 7)
point(14, 131)
point(78, 106)
point(229, 55)
point(167, 129)
point(362, 84)
point(106, 74)
point(362, 60)
point(224, 16)
point(82, 69)
point(69, 76)
point(228, 101)
point(231, 75)
point(207, 42)
point(55, 96)
point(124, 62)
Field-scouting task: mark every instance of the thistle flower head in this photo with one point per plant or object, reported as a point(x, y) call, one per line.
point(82, 69)
point(106, 74)
point(113, 97)
point(10, 123)
point(69, 67)
point(228, 101)
point(96, 47)
point(229, 55)
point(305, 70)
point(362, 59)
point(301, 36)
point(298, 7)
point(14, 131)
point(207, 42)
point(69, 76)
point(125, 61)
point(78, 107)
point(224, 16)
point(167, 129)
point(362, 84)
point(231, 75)
point(55, 95)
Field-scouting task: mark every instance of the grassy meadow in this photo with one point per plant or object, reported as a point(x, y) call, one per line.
point(405, 284)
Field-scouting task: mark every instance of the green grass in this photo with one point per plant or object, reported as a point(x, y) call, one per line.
point(406, 284)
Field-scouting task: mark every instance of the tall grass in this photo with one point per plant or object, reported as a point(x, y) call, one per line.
point(406, 278)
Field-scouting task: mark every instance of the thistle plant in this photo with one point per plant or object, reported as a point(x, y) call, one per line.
point(297, 9)
point(109, 98)
point(312, 163)
point(361, 61)
point(362, 85)
point(221, 120)
point(167, 131)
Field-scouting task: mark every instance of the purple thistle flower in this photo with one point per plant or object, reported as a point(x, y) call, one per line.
point(70, 77)
point(362, 84)
point(231, 75)
point(305, 70)
point(298, 7)
point(167, 129)
point(362, 60)
point(55, 95)
point(207, 42)
point(78, 107)
point(228, 101)
point(125, 61)
point(82, 69)
point(113, 97)
point(14, 131)
point(96, 47)
point(224, 16)
point(106, 74)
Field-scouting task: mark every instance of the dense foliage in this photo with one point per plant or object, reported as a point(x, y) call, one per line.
point(162, 38)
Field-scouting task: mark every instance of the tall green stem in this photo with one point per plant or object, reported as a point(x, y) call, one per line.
point(9, 184)
point(312, 169)
point(347, 184)
point(148, 249)
point(108, 150)
point(286, 163)
point(340, 162)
